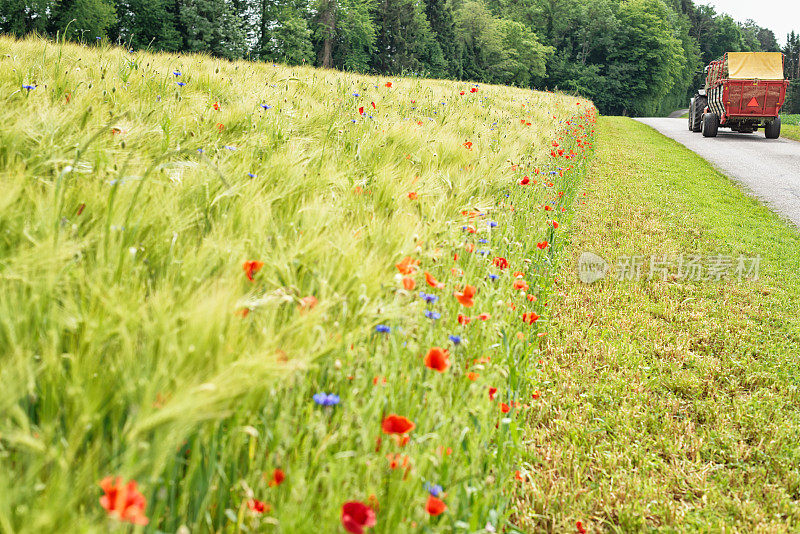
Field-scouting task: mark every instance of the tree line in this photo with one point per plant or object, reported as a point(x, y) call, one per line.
point(634, 57)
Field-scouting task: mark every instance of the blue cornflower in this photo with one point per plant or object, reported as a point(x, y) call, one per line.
point(432, 315)
point(434, 489)
point(230, 147)
point(493, 277)
point(455, 339)
point(200, 150)
point(29, 87)
point(352, 120)
point(484, 241)
point(356, 95)
point(492, 224)
point(481, 251)
point(98, 38)
point(265, 106)
point(251, 175)
point(383, 329)
point(180, 84)
point(326, 399)
point(176, 72)
point(427, 297)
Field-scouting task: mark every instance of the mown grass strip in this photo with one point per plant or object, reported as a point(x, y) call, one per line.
point(668, 404)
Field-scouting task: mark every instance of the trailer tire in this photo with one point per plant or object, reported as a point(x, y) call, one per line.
point(710, 125)
point(773, 129)
point(696, 113)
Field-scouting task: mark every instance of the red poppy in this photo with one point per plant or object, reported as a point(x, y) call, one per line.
point(258, 507)
point(433, 282)
point(220, 126)
point(469, 247)
point(407, 266)
point(530, 318)
point(244, 312)
point(435, 506)
point(409, 283)
point(216, 106)
point(388, 84)
point(484, 316)
point(473, 90)
point(397, 424)
point(356, 516)
point(308, 302)
point(466, 296)
point(252, 267)
point(468, 145)
point(413, 195)
point(500, 262)
point(123, 501)
point(437, 359)
point(373, 105)
point(463, 319)
point(473, 376)
point(543, 245)
point(505, 408)
point(555, 224)
point(525, 181)
point(535, 395)
point(492, 393)
point(361, 110)
point(278, 477)
point(521, 284)
point(579, 526)
point(462, 93)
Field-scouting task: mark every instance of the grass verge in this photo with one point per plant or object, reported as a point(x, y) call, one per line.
point(668, 404)
point(790, 131)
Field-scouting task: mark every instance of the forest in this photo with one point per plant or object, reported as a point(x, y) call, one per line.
point(631, 57)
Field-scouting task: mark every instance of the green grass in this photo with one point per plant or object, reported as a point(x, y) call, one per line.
point(790, 131)
point(790, 119)
point(668, 405)
point(134, 345)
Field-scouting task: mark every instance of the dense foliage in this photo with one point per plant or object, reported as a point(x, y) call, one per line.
point(629, 56)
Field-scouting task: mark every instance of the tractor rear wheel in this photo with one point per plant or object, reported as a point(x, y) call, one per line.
point(696, 113)
point(773, 129)
point(710, 125)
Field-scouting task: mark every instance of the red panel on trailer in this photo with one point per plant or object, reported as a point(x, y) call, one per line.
point(753, 98)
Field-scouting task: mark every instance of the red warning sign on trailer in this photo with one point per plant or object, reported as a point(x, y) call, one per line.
point(753, 103)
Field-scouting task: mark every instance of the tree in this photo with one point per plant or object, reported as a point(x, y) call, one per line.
point(82, 19)
point(648, 58)
point(20, 17)
point(283, 32)
point(144, 23)
point(403, 37)
point(440, 17)
point(211, 26)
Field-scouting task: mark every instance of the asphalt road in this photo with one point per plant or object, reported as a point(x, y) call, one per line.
point(768, 168)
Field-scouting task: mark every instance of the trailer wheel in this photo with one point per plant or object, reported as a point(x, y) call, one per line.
point(710, 125)
point(773, 129)
point(696, 114)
